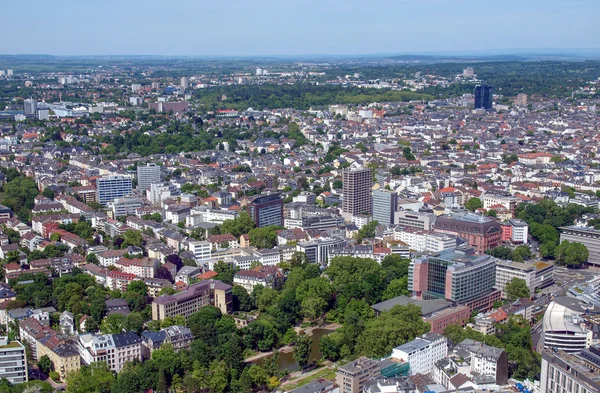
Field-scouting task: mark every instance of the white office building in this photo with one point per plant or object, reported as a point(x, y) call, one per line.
point(200, 249)
point(147, 175)
point(519, 231)
point(422, 352)
point(563, 326)
point(112, 187)
point(159, 192)
point(317, 251)
point(124, 206)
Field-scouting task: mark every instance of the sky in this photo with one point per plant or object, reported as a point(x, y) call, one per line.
point(294, 27)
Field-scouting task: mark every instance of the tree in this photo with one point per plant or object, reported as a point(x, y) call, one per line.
point(134, 322)
point(396, 288)
point(139, 287)
point(95, 378)
point(265, 237)
point(368, 230)
point(392, 328)
point(571, 254)
point(302, 350)
point(241, 225)
point(91, 258)
point(132, 238)
point(241, 300)
point(473, 204)
point(298, 259)
point(347, 270)
point(314, 296)
point(516, 289)
point(48, 193)
point(45, 364)
point(521, 253)
point(113, 324)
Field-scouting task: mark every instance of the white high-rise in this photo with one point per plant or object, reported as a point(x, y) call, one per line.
point(111, 187)
point(147, 175)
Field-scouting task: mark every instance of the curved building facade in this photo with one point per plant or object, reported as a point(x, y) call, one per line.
point(564, 327)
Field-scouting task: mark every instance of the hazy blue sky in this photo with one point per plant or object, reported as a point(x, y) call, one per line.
point(261, 27)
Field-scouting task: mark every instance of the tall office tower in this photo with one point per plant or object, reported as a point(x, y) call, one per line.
point(146, 175)
point(111, 187)
point(30, 106)
point(266, 210)
point(385, 203)
point(185, 82)
point(357, 193)
point(469, 71)
point(9, 72)
point(456, 275)
point(483, 96)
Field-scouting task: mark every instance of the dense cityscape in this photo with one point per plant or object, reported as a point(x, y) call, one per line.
point(338, 225)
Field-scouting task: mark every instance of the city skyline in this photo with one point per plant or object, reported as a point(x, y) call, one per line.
point(260, 28)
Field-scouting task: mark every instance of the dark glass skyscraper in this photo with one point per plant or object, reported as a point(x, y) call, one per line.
point(483, 96)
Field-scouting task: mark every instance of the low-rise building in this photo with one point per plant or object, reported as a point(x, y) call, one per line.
point(195, 297)
point(422, 352)
point(352, 377)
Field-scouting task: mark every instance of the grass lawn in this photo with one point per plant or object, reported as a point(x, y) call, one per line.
point(325, 373)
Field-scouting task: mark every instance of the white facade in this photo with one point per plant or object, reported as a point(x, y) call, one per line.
point(564, 327)
point(507, 270)
point(124, 206)
point(147, 175)
point(422, 352)
point(201, 250)
point(159, 192)
point(112, 187)
point(13, 362)
point(519, 230)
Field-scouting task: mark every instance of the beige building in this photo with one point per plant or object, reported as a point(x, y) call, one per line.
point(196, 296)
point(63, 354)
point(352, 376)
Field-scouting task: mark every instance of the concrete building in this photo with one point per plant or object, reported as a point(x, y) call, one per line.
point(146, 175)
point(483, 233)
point(506, 271)
point(411, 219)
point(568, 372)
point(385, 204)
point(159, 192)
point(30, 106)
point(13, 362)
point(563, 326)
point(456, 275)
point(422, 352)
point(112, 187)
point(317, 251)
point(196, 296)
point(352, 377)
point(201, 249)
point(357, 193)
point(484, 364)
point(266, 210)
point(124, 206)
point(589, 237)
point(519, 231)
point(185, 82)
